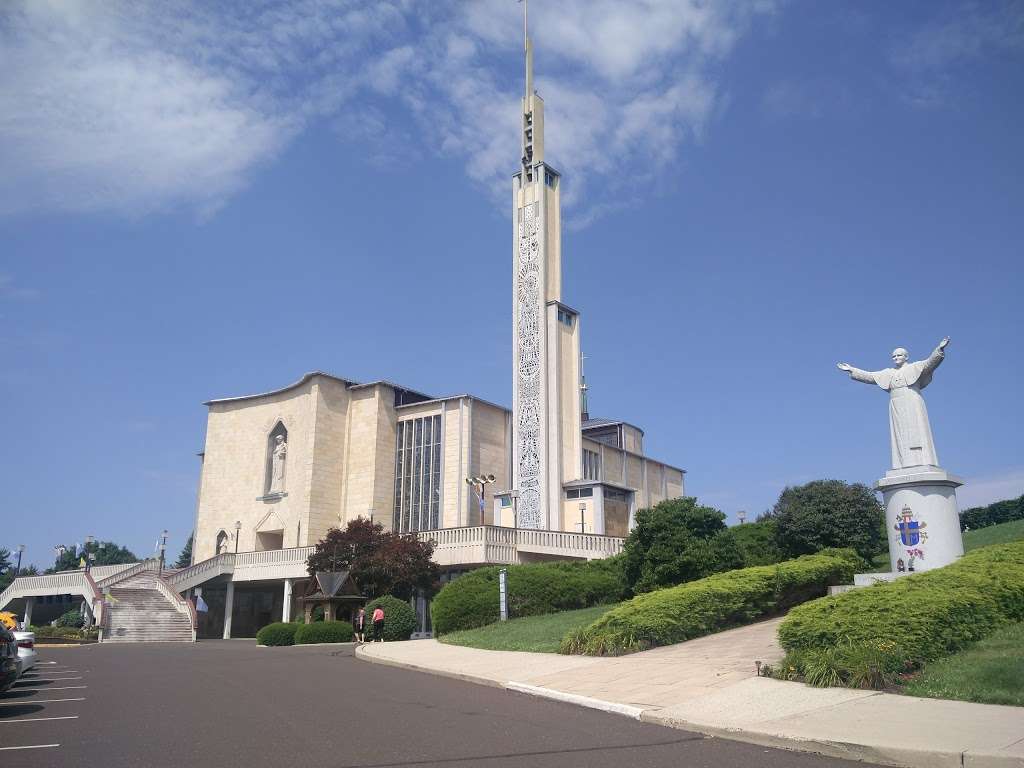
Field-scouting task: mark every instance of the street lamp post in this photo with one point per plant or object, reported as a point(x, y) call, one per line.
point(17, 569)
point(741, 516)
point(482, 481)
point(163, 549)
point(87, 555)
point(583, 521)
point(238, 528)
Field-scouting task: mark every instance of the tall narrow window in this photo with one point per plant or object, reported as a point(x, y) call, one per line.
point(591, 465)
point(417, 475)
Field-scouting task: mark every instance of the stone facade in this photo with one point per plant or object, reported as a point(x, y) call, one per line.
point(341, 463)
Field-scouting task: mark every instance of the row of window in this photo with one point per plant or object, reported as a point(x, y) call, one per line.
point(418, 475)
point(579, 493)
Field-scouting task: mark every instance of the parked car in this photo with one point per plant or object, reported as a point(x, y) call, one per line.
point(9, 665)
point(27, 655)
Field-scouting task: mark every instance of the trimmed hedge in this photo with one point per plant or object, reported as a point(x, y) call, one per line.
point(472, 600)
point(323, 632)
point(711, 604)
point(278, 633)
point(399, 618)
point(866, 637)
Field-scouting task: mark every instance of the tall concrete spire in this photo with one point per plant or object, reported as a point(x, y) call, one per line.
point(546, 437)
point(533, 110)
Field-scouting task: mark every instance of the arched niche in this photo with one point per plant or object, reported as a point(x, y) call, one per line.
point(222, 542)
point(275, 474)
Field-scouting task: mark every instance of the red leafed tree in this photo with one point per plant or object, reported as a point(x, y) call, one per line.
point(380, 562)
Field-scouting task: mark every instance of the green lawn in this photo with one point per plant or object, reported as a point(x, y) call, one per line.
point(994, 534)
point(532, 633)
point(990, 671)
point(982, 537)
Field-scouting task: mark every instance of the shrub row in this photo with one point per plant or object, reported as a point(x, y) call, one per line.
point(323, 632)
point(278, 633)
point(867, 637)
point(993, 514)
point(711, 604)
point(399, 618)
point(472, 600)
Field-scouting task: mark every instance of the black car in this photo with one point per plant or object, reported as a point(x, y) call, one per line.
point(8, 659)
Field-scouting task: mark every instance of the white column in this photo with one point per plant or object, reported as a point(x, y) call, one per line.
point(29, 602)
point(229, 605)
point(286, 608)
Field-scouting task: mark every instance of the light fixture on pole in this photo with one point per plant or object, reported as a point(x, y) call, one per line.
point(741, 516)
point(583, 520)
point(238, 529)
point(481, 482)
point(17, 569)
point(163, 549)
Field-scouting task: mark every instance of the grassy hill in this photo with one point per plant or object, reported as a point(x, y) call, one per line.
point(532, 633)
point(994, 534)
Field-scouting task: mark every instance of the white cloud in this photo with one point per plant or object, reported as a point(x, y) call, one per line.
point(142, 106)
point(928, 57)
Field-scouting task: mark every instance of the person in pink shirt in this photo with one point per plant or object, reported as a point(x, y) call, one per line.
point(378, 624)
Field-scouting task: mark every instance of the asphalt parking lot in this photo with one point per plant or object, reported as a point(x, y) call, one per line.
point(30, 712)
point(232, 703)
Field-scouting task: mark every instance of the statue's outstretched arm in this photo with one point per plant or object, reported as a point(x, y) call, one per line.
point(865, 377)
point(936, 357)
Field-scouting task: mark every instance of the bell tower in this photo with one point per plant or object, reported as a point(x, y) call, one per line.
point(546, 439)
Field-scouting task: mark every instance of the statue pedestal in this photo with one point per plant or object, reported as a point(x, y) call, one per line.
point(921, 518)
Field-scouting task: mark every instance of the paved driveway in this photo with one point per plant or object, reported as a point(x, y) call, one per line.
point(231, 703)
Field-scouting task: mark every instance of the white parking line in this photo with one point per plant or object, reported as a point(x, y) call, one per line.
point(37, 719)
point(31, 746)
point(44, 690)
point(19, 702)
point(45, 679)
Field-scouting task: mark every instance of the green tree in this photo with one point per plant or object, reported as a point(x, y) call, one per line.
point(107, 553)
point(380, 562)
point(185, 558)
point(756, 542)
point(675, 541)
point(829, 513)
point(6, 569)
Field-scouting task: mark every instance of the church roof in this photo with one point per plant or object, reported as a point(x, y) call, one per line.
point(595, 423)
point(349, 383)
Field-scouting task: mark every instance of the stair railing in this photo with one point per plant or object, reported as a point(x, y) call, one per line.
point(183, 605)
point(146, 565)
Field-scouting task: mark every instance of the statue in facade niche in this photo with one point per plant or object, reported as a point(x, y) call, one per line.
point(909, 430)
point(277, 459)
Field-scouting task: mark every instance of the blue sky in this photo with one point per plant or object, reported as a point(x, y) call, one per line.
point(200, 203)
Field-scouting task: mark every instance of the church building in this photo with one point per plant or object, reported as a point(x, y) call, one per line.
point(486, 484)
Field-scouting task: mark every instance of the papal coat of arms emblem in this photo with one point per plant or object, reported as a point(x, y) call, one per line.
point(911, 531)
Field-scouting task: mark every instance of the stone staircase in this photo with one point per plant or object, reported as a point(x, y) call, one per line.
point(139, 611)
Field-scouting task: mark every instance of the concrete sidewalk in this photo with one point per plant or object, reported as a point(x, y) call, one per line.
point(709, 685)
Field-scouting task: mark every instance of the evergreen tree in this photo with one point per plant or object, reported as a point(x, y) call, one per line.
point(185, 558)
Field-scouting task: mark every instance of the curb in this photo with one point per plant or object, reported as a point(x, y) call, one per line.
point(894, 756)
point(364, 656)
point(636, 713)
